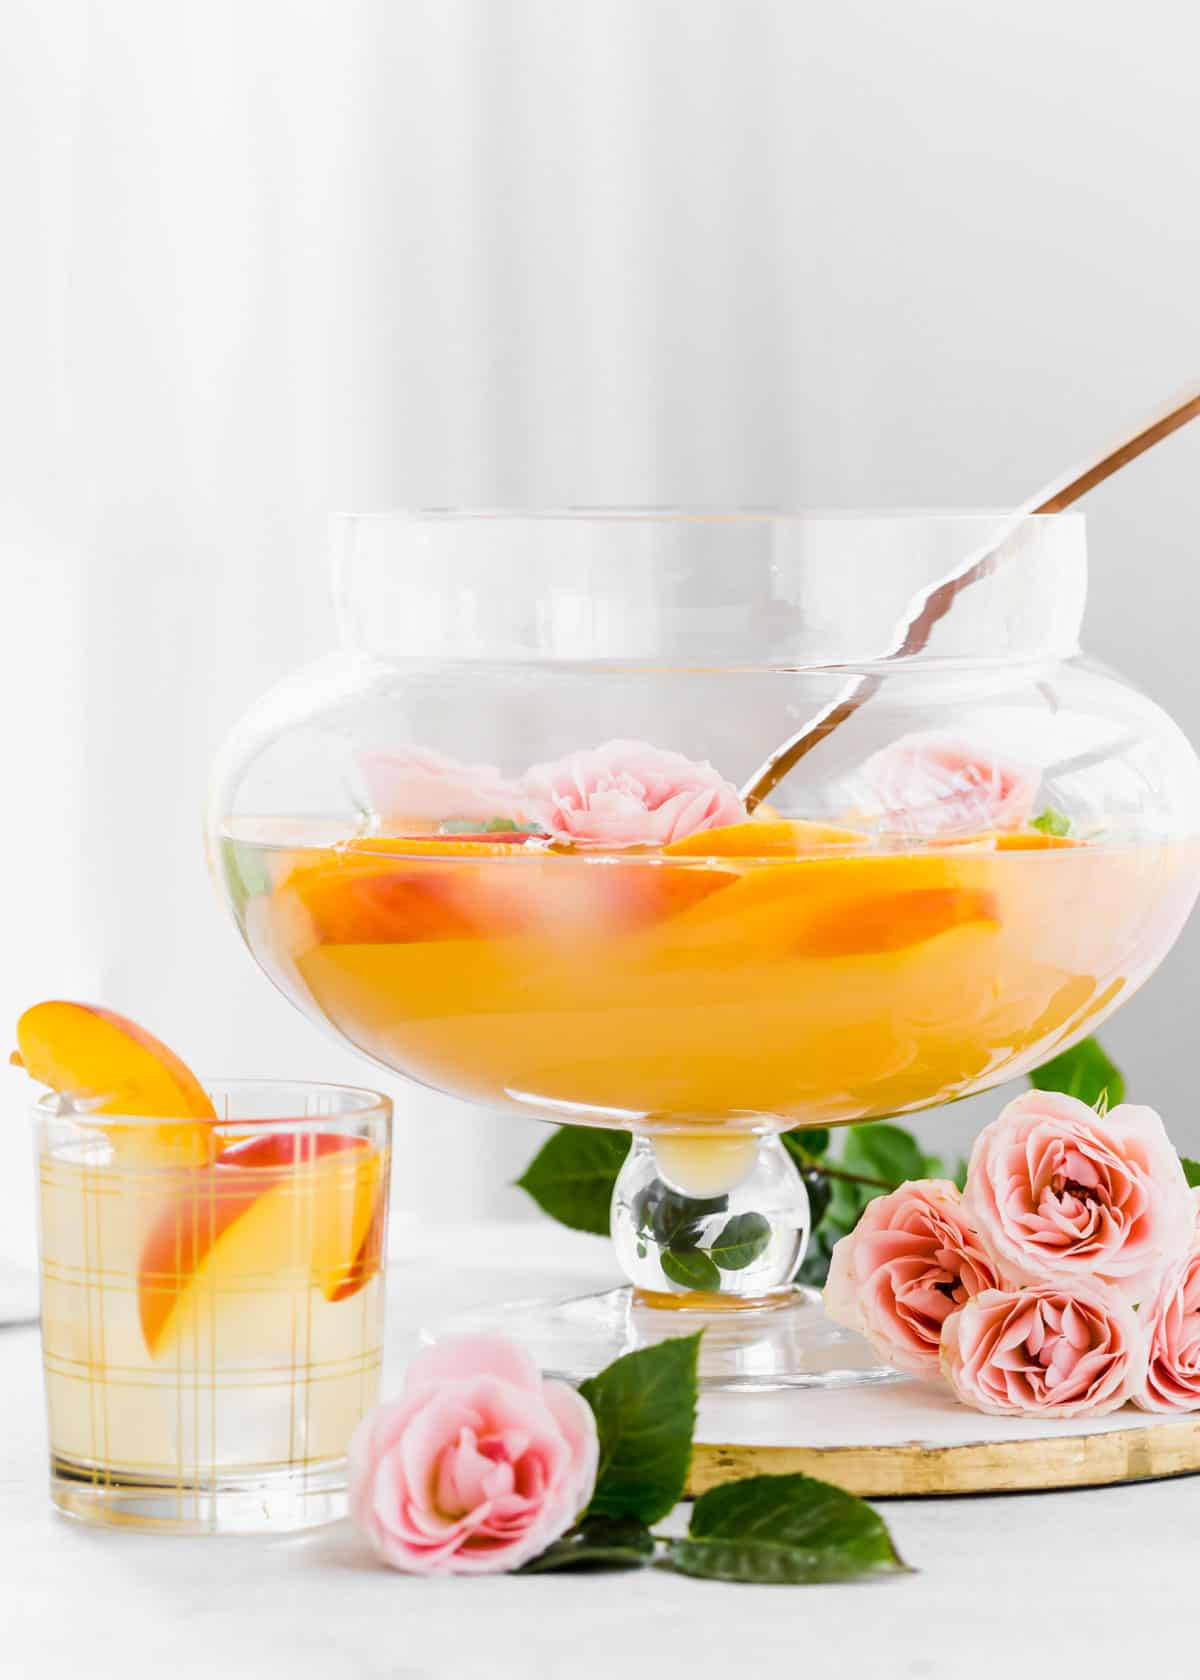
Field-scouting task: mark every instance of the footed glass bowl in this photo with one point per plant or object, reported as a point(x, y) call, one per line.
point(506, 840)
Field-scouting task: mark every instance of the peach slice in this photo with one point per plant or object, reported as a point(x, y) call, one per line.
point(894, 921)
point(640, 895)
point(400, 846)
point(373, 901)
point(1034, 841)
point(272, 1205)
point(368, 896)
point(778, 837)
point(88, 1052)
point(369, 1257)
point(868, 903)
point(377, 892)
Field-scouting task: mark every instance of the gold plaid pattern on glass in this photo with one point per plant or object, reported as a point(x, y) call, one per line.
point(212, 1335)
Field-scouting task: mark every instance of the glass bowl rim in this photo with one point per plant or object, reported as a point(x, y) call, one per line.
point(684, 513)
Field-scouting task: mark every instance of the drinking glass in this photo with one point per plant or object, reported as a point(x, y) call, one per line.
point(212, 1328)
point(429, 842)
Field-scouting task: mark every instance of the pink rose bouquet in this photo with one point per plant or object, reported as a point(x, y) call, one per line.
point(477, 1467)
point(628, 793)
point(1046, 1349)
point(1062, 1195)
point(416, 786)
point(910, 1262)
point(932, 784)
point(1173, 1324)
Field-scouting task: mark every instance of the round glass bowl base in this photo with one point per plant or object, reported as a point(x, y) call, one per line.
point(267, 1502)
point(786, 1342)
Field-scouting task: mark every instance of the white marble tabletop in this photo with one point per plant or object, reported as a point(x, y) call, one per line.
point(1098, 1582)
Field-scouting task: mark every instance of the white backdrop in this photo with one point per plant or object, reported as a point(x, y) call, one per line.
point(268, 257)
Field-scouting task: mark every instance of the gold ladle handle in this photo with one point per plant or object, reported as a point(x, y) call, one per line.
point(932, 605)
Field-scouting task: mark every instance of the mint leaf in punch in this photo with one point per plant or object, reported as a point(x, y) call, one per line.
point(1052, 822)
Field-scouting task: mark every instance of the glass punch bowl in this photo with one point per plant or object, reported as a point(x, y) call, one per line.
point(520, 839)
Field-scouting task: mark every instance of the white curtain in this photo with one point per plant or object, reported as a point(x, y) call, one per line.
point(264, 258)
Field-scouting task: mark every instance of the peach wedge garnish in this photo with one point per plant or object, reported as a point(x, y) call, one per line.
point(268, 1210)
point(112, 1066)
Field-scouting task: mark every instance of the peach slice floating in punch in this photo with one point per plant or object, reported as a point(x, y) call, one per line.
point(779, 837)
point(842, 906)
point(116, 1067)
point(396, 890)
point(1032, 841)
point(895, 921)
point(267, 1208)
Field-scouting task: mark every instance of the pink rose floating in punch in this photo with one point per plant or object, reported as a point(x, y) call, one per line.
point(477, 1467)
point(415, 786)
point(935, 785)
point(1173, 1321)
point(1044, 1349)
point(1060, 1194)
point(629, 793)
point(910, 1262)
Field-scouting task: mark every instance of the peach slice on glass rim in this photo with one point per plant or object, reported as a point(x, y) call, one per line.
point(275, 1206)
point(113, 1066)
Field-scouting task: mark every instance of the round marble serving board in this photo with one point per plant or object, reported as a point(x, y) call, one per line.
point(902, 1439)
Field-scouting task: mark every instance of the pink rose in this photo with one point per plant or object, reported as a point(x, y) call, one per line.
point(1173, 1326)
point(911, 1260)
point(931, 784)
point(477, 1467)
point(1057, 1352)
point(415, 785)
point(629, 793)
point(1060, 1194)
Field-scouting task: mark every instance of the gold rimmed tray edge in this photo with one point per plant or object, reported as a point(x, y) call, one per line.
point(1147, 1449)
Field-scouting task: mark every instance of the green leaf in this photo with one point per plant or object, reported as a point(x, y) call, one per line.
point(814, 1268)
point(806, 1147)
point(960, 1172)
point(645, 1409)
point(1083, 1071)
point(244, 873)
point(1191, 1170)
point(572, 1176)
point(788, 1530)
point(674, 1221)
point(493, 825)
point(741, 1242)
point(690, 1268)
point(846, 1203)
point(598, 1543)
point(1052, 822)
point(883, 1151)
point(820, 1189)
